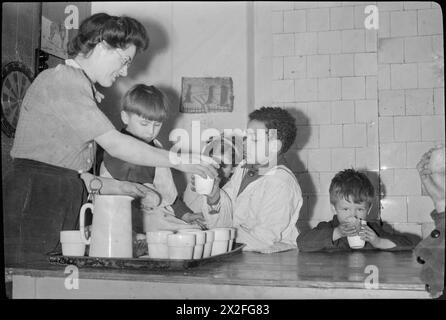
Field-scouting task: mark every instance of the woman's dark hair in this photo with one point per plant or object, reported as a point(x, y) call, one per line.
point(147, 102)
point(118, 32)
point(353, 184)
point(279, 119)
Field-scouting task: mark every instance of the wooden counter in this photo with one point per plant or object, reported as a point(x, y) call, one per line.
point(286, 275)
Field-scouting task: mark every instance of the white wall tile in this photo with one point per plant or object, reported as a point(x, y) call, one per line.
point(305, 43)
point(403, 76)
point(407, 182)
point(407, 128)
point(437, 44)
point(430, 21)
point(307, 137)
point(386, 133)
point(372, 133)
point(329, 89)
point(371, 40)
point(366, 110)
point(391, 102)
point(353, 41)
point(353, 88)
point(391, 50)
point(432, 128)
point(318, 66)
point(418, 49)
point(319, 160)
point(325, 181)
point(393, 155)
point(342, 64)
point(319, 112)
point(304, 4)
point(295, 21)
point(330, 136)
point(329, 42)
point(429, 75)
point(411, 5)
point(371, 87)
point(282, 5)
point(283, 90)
point(439, 100)
point(277, 21)
point(367, 158)
point(309, 182)
point(390, 5)
point(318, 19)
point(319, 208)
point(403, 23)
point(342, 158)
point(354, 135)
point(283, 45)
point(305, 89)
point(419, 102)
point(366, 64)
point(384, 24)
point(342, 112)
point(394, 209)
point(277, 68)
point(383, 76)
point(297, 159)
point(341, 18)
point(295, 67)
point(414, 152)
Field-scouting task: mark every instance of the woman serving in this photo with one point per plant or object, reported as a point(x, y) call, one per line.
point(54, 144)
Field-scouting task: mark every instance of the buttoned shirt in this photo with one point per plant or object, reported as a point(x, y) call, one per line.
point(59, 119)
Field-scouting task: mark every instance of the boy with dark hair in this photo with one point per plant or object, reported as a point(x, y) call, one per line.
point(262, 199)
point(351, 196)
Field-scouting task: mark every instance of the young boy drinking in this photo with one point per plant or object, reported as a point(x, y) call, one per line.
point(262, 199)
point(351, 195)
point(144, 109)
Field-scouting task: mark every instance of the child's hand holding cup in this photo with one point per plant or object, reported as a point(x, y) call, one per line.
point(356, 242)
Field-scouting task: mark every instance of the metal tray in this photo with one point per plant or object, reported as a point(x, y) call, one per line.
point(141, 263)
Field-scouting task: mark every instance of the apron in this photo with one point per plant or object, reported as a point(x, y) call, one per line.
point(39, 200)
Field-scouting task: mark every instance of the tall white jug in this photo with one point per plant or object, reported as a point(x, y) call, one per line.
point(111, 232)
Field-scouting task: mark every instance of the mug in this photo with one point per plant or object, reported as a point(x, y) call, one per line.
point(203, 186)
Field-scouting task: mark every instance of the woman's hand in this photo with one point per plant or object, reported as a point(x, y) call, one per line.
point(433, 182)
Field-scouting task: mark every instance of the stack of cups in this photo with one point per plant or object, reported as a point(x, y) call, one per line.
point(181, 245)
point(200, 241)
point(222, 238)
point(157, 244)
point(72, 244)
point(231, 237)
point(208, 244)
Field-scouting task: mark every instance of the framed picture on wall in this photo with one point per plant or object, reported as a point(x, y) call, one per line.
point(204, 95)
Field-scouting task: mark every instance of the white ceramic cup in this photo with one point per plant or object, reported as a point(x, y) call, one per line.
point(157, 244)
point(222, 237)
point(355, 242)
point(181, 245)
point(200, 241)
point(203, 186)
point(232, 235)
point(208, 244)
point(72, 243)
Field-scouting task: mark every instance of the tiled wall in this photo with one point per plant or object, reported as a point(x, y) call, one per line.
point(368, 99)
point(411, 106)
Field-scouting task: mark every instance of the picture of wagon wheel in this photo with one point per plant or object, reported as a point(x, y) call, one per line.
point(16, 78)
